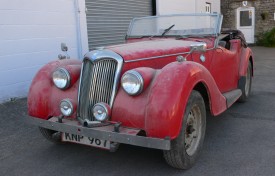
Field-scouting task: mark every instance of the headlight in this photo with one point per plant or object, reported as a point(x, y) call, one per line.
point(66, 107)
point(101, 111)
point(61, 78)
point(132, 82)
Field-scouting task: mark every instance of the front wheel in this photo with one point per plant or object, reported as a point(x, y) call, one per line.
point(185, 149)
point(245, 84)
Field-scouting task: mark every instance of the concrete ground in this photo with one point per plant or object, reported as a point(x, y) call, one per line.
point(241, 141)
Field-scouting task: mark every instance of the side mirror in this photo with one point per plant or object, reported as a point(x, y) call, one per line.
point(201, 47)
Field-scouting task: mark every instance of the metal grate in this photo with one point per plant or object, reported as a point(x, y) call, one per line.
point(96, 85)
point(108, 20)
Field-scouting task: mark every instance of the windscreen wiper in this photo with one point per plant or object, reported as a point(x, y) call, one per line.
point(167, 30)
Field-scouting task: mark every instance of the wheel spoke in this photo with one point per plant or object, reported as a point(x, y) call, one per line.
point(193, 130)
point(190, 139)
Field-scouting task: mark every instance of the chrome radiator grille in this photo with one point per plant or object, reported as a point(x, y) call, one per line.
point(97, 84)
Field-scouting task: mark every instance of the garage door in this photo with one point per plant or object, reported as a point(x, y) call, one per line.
point(108, 20)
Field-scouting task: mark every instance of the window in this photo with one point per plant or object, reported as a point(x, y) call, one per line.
point(246, 18)
point(208, 7)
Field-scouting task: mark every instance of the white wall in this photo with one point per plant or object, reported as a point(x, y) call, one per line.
point(185, 6)
point(215, 6)
point(175, 6)
point(30, 35)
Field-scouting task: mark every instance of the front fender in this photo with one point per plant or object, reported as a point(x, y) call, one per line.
point(246, 55)
point(44, 97)
point(170, 94)
point(160, 108)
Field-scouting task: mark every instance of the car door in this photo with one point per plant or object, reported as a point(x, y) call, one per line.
point(225, 66)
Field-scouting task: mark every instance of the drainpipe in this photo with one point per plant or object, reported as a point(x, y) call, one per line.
point(78, 29)
point(157, 7)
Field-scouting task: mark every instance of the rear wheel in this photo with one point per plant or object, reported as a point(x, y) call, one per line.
point(185, 149)
point(50, 135)
point(245, 84)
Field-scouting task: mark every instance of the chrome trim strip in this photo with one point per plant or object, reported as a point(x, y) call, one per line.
point(102, 54)
point(218, 32)
point(79, 87)
point(220, 24)
point(73, 127)
point(157, 57)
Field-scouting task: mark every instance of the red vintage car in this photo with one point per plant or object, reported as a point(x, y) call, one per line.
point(153, 91)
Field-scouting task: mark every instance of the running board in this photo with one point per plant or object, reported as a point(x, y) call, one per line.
point(232, 96)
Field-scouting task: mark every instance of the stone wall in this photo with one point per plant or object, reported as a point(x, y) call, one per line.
point(263, 8)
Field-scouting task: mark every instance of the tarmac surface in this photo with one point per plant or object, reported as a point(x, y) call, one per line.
point(241, 141)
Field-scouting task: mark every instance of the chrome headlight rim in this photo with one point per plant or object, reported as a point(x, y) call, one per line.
point(139, 78)
point(68, 76)
point(70, 105)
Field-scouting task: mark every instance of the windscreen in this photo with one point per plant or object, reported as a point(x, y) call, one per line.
point(176, 25)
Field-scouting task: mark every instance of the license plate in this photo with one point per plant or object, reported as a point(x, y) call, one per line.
point(67, 137)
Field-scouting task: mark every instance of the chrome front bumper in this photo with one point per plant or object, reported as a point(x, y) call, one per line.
point(125, 135)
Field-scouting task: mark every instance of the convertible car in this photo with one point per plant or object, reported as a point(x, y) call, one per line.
point(153, 91)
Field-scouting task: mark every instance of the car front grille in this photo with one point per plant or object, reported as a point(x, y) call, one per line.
point(98, 80)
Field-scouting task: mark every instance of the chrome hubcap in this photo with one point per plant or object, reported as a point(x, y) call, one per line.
point(193, 130)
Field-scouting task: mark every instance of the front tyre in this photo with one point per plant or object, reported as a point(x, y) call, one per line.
point(185, 149)
point(245, 84)
point(50, 135)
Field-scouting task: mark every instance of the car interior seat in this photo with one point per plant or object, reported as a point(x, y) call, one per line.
point(222, 43)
